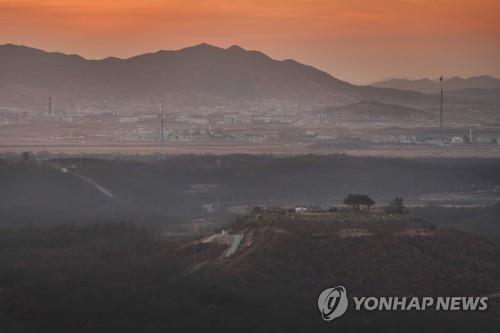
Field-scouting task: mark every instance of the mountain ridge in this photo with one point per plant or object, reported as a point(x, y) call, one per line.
point(193, 77)
point(454, 83)
point(200, 75)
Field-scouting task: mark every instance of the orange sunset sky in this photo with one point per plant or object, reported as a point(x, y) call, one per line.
point(356, 40)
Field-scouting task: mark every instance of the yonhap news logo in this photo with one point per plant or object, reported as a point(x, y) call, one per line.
point(333, 303)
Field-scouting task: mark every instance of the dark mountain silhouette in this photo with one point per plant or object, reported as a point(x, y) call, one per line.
point(433, 86)
point(277, 245)
point(202, 70)
point(123, 278)
point(198, 74)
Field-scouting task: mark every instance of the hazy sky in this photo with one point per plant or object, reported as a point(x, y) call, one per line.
point(356, 40)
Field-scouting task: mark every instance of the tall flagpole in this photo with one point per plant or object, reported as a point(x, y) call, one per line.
point(441, 111)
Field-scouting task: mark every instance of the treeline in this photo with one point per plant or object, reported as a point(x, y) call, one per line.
point(152, 191)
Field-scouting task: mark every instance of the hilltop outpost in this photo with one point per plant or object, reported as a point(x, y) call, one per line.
point(354, 202)
point(357, 207)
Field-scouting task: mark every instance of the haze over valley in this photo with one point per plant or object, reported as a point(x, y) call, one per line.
point(249, 166)
point(230, 100)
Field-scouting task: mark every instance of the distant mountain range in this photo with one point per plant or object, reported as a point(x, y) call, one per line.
point(196, 76)
point(433, 86)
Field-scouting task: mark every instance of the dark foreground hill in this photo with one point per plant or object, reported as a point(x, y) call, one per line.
point(120, 278)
